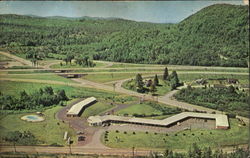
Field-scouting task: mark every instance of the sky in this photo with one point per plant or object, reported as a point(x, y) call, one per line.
point(149, 11)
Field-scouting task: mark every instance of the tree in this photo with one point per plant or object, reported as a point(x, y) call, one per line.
point(139, 83)
point(152, 89)
point(24, 96)
point(156, 80)
point(13, 137)
point(165, 74)
point(62, 95)
point(49, 90)
point(34, 62)
point(174, 80)
point(68, 58)
point(231, 89)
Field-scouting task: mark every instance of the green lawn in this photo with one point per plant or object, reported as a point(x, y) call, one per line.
point(139, 109)
point(49, 131)
point(96, 109)
point(149, 110)
point(52, 77)
point(183, 140)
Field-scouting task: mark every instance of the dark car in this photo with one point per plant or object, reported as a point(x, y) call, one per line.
point(81, 138)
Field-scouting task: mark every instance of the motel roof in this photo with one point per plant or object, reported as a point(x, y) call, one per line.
point(76, 109)
point(221, 120)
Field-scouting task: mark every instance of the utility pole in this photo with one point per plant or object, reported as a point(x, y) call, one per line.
point(114, 86)
point(69, 143)
point(133, 151)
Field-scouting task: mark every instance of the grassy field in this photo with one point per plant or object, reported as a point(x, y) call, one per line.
point(49, 131)
point(181, 140)
point(243, 79)
point(14, 88)
point(124, 65)
point(109, 77)
point(96, 109)
point(161, 89)
point(74, 65)
point(52, 77)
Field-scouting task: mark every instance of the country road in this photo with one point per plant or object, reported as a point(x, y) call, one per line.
point(21, 60)
point(75, 150)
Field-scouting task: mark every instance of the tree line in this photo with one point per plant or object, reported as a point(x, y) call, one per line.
point(227, 99)
point(44, 97)
point(197, 152)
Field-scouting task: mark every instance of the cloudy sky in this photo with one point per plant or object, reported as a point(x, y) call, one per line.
point(150, 11)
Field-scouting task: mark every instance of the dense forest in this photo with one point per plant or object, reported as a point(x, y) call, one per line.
point(230, 100)
point(216, 35)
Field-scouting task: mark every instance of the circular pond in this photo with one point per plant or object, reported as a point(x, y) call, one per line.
point(32, 118)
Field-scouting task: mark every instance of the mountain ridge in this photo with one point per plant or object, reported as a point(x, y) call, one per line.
point(217, 35)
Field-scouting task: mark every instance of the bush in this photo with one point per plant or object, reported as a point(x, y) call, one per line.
point(25, 138)
point(56, 145)
point(231, 115)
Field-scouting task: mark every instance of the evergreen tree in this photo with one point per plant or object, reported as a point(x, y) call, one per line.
point(139, 83)
point(62, 95)
point(49, 90)
point(24, 96)
point(152, 89)
point(174, 80)
point(156, 80)
point(165, 74)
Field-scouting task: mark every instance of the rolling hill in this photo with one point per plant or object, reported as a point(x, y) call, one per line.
point(217, 35)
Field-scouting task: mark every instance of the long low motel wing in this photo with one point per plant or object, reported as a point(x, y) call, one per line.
point(220, 119)
point(76, 109)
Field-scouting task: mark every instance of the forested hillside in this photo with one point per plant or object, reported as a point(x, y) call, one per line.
point(217, 35)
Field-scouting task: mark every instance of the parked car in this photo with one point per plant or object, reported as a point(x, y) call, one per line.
point(81, 138)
